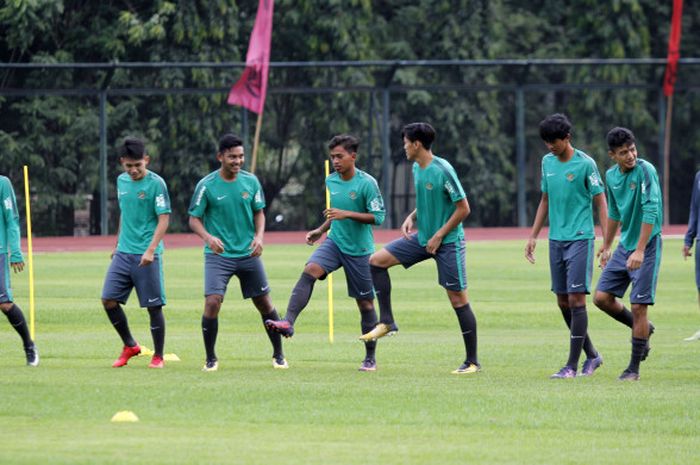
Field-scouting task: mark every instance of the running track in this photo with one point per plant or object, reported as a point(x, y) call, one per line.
point(381, 236)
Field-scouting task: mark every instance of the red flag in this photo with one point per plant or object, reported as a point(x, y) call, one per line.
point(251, 88)
point(674, 48)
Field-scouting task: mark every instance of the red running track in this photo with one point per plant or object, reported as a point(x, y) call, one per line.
point(381, 236)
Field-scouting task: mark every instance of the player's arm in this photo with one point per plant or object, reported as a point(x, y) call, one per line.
point(461, 212)
point(11, 214)
point(256, 246)
point(407, 225)
point(540, 216)
point(692, 232)
point(602, 206)
point(635, 260)
point(158, 234)
point(198, 228)
point(338, 214)
point(610, 232)
point(315, 234)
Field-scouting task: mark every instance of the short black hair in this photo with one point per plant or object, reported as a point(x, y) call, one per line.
point(347, 141)
point(229, 141)
point(556, 126)
point(422, 132)
point(619, 137)
point(132, 148)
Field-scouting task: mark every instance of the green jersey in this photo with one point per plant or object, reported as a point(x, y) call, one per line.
point(9, 222)
point(359, 194)
point(140, 202)
point(570, 187)
point(437, 190)
point(227, 208)
point(634, 198)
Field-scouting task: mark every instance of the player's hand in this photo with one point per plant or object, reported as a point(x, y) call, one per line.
point(604, 256)
point(313, 236)
point(256, 246)
point(635, 260)
point(215, 244)
point(530, 250)
point(407, 227)
point(146, 258)
point(17, 266)
point(686, 252)
point(433, 244)
point(336, 214)
point(114, 251)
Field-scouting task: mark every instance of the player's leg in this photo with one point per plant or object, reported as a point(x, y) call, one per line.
point(696, 335)
point(217, 273)
point(359, 283)
point(612, 284)
point(150, 288)
point(116, 290)
point(14, 313)
point(254, 285)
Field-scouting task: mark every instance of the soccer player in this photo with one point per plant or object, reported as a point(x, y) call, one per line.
point(634, 200)
point(441, 206)
point(137, 258)
point(570, 185)
point(691, 235)
point(226, 211)
point(11, 257)
point(356, 205)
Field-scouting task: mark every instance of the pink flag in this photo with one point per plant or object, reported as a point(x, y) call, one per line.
point(674, 48)
point(251, 88)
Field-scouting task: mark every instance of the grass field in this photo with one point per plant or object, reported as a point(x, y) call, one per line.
point(322, 410)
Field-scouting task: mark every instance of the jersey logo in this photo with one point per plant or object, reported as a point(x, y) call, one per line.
point(428, 186)
point(8, 203)
point(160, 201)
point(594, 180)
point(375, 205)
point(141, 195)
point(258, 197)
point(353, 195)
point(570, 177)
point(633, 185)
point(245, 195)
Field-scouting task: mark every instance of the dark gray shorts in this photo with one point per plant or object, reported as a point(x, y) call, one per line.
point(124, 274)
point(5, 289)
point(450, 259)
point(697, 265)
point(571, 266)
point(218, 271)
point(357, 275)
point(616, 277)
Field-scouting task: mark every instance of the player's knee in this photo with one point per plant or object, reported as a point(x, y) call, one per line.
point(263, 303)
point(109, 304)
point(638, 310)
point(212, 305)
point(314, 270)
point(602, 300)
point(6, 306)
point(365, 305)
point(576, 300)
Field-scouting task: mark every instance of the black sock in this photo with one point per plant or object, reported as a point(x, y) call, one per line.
point(624, 316)
point(210, 328)
point(16, 318)
point(118, 318)
point(157, 329)
point(369, 321)
point(300, 297)
point(467, 323)
point(579, 328)
point(275, 337)
point(638, 347)
point(588, 347)
point(382, 287)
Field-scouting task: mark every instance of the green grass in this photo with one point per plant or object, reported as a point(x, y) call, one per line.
point(322, 410)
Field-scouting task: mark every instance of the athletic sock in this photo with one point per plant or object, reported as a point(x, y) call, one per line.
point(588, 347)
point(210, 328)
point(382, 287)
point(157, 329)
point(368, 322)
point(275, 337)
point(16, 318)
point(118, 318)
point(624, 316)
point(467, 323)
point(300, 297)
point(579, 328)
point(638, 348)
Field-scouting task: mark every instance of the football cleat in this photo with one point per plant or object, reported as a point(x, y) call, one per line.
point(211, 365)
point(32, 355)
point(156, 362)
point(591, 365)
point(368, 364)
point(565, 373)
point(127, 353)
point(381, 330)
point(694, 337)
point(628, 375)
point(467, 368)
point(284, 327)
point(279, 362)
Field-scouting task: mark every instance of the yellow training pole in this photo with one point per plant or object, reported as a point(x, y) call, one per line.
point(29, 252)
point(330, 275)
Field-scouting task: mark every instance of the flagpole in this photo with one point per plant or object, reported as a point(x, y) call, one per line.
point(256, 142)
point(667, 157)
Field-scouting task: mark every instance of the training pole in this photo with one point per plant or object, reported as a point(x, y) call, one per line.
point(330, 275)
point(256, 143)
point(30, 253)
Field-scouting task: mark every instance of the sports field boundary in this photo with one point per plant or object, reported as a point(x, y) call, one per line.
point(381, 236)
